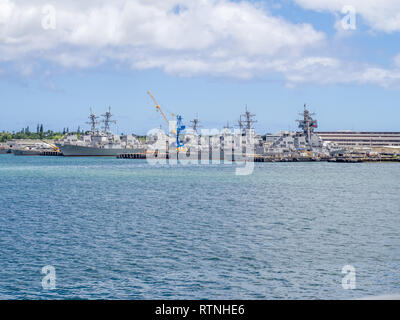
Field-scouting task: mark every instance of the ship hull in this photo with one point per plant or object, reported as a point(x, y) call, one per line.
point(4, 151)
point(27, 152)
point(81, 151)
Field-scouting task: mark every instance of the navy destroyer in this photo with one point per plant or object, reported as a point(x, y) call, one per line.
point(304, 142)
point(99, 143)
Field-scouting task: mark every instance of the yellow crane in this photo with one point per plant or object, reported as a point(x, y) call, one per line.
point(56, 149)
point(160, 110)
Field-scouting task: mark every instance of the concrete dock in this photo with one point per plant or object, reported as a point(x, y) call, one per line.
point(263, 158)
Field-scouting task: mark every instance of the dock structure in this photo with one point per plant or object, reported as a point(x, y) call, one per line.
point(331, 160)
point(260, 158)
point(52, 154)
point(131, 156)
point(352, 139)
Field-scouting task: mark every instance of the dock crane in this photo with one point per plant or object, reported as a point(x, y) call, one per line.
point(160, 110)
point(158, 107)
point(179, 127)
point(55, 149)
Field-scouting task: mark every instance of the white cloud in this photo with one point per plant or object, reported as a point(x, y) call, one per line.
point(382, 15)
point(152, 33)
point(381, 76)
point(203, 25)
point(191, 37)
point(6, 8)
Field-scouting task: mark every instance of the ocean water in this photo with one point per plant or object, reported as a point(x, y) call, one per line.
point(123, 229)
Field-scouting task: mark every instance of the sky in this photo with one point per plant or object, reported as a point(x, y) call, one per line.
point(205, 58)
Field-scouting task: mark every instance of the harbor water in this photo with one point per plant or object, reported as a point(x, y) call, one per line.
point(124, 229)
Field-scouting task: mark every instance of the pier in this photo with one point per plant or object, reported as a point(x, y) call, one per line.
point(131, 156)
point(51, 154)
point(264, 158)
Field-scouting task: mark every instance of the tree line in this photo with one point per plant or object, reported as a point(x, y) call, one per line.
point(39, 134)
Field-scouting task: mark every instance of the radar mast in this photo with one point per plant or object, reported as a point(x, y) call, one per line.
point(246, 121)
point(107, 120)
point(195, 125)
point(307, 124)
point(93, 121)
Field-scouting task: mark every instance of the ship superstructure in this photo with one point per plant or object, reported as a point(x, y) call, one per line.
point(195, 125)
point(99, 142)
point(107, 121)
point(302, 142)
point(4, 149)
point(308, 125)
point(247, 121)
point(93, 122)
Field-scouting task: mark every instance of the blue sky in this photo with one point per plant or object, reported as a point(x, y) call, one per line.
point(208, 58)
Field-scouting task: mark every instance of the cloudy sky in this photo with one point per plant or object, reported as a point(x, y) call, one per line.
point(200, 57)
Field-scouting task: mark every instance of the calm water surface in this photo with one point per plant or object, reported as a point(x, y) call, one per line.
point(123, 229)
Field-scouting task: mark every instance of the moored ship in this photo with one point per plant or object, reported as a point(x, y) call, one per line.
point(4, 148)
point(27, 152)
point(34, 149)
point(99, 143)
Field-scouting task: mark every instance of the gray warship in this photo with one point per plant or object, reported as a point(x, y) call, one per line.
point(304, 142)
point(99, 143)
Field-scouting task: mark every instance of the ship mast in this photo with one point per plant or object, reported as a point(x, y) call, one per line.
point(307, 124)
point(247, 120)
point(107, 120)
point(93, 121)
point(228, 127)
point(240, 124)
point(195, 125)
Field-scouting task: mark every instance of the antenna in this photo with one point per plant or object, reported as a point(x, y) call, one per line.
point(240, 124)
point(107, 120)
point(307, 124)
point(228, 126)
point(248, 122)
point(93, 121)
point(195, 124)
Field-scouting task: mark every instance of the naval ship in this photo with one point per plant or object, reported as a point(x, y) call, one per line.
point(304, 141)
point(99, 143)
point(4, 149)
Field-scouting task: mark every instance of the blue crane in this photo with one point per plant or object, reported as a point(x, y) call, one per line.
point(179, 128)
